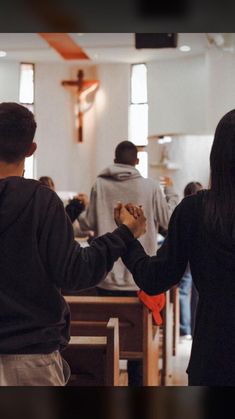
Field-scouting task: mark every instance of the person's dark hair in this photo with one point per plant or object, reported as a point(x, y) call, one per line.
point(17, 129)
point(47, 181)
point(126, 153)
point(220, 205)
point(192, 188)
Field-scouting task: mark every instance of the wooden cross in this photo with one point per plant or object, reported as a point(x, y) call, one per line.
point(83, 89)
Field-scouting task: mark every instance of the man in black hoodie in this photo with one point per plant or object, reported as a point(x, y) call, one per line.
point(38, 257)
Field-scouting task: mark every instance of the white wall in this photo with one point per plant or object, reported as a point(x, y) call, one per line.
point(177, 96)
point(190, 154)
point(111, 111)
point(59, 154)
point(221, 85)
point(9, 81)
point(74, 166)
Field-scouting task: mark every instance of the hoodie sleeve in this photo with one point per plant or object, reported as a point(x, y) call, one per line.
point(164, 206)
point(88, 218)
point(74, 209)
point(70, 266)
point(159, 273)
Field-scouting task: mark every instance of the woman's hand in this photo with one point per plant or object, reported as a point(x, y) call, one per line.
point(137, 224)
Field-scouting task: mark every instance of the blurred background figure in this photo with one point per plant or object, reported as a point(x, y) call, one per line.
point(73, 208)
point(187, 291)
point(47, 181)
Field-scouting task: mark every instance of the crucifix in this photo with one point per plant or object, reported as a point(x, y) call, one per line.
point(84, 90)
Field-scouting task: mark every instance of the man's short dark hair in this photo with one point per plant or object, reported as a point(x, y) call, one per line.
point(17, 129)
point(126, 153)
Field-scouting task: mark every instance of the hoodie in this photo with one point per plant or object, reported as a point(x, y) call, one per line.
point(38, 257)
point(121, 182)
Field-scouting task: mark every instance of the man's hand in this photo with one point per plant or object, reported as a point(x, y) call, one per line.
point(135, 210)
point(166, 181)
point(136, 225)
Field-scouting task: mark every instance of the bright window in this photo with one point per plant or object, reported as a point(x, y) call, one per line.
point(29, 167)
point(26, 98)
point(138, 129)
point(139, 84)
point(143, 163)
point(138, 114)
point(26, 83)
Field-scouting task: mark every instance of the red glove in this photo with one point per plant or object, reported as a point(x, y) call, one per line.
point(155, 303)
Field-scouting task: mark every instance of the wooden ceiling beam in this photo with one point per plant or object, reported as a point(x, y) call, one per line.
point(65, 46)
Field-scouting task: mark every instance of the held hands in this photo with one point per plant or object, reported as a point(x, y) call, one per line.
point(132, 216)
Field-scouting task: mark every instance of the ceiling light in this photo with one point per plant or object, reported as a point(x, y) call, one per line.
point(185, 48)
point(3, 53)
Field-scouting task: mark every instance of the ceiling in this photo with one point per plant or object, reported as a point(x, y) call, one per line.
point(104, 47)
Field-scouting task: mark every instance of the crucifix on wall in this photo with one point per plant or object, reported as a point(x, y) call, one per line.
point(85, 90)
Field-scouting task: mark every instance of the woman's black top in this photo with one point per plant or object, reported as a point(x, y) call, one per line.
point(212, 262)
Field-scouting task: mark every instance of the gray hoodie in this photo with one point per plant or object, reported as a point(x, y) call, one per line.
point(121, 182)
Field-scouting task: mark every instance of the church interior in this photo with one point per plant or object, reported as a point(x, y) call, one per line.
point(89, 92)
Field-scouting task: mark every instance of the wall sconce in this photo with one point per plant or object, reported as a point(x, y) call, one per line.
point(164, 139)
point(85, 94)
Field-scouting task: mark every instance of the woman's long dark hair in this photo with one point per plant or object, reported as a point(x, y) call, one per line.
point(220, 205)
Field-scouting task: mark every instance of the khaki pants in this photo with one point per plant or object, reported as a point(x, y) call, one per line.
point(34, 370)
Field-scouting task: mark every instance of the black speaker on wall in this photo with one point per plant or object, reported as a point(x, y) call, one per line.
point(155, 40)
point(157, 9)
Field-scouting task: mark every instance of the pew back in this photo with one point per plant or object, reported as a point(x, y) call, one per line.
point(138, 336)
point(94, 360)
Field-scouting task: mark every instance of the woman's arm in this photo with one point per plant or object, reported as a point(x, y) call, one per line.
point(158, 273)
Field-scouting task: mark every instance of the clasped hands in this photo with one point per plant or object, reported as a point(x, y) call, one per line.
point(132, 216)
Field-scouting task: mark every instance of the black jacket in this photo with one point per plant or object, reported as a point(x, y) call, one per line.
point(212, 262)
point(38, 257)
point(74, 209)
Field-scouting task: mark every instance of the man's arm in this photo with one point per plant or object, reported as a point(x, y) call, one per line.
point(159, 273)
point(71, 267)
point(164, 205)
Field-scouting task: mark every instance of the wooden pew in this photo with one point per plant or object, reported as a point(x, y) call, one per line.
point(94, 359)
point(174, 297)
point(139, 338)
point(167, 344)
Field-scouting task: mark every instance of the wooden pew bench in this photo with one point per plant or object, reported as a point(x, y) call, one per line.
point(94, 359)
point(174, 297)
point(139, 337)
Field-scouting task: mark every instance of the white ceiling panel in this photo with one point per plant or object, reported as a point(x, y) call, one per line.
point(103, 47)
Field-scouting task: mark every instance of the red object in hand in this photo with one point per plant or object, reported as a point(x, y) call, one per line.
point(155, 303)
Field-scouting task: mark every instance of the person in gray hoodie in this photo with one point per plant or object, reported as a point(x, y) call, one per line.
point(121, 181)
